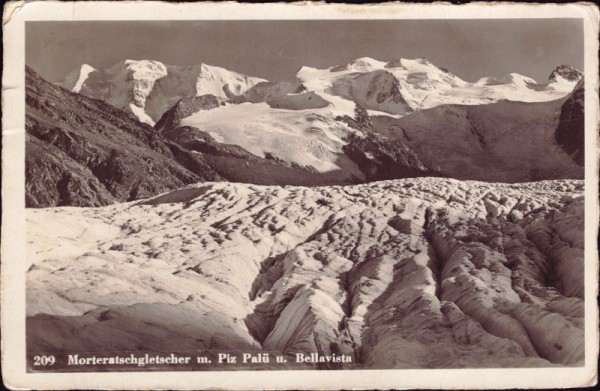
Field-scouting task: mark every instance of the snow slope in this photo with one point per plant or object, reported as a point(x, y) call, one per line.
point(309, 137)
point(406, 85)
point(413, 273)
point(149, 88)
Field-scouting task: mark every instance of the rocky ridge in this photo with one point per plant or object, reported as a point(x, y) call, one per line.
point(84, 152)
point(566, 72)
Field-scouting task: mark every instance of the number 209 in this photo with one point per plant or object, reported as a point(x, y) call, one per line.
point(43, 360)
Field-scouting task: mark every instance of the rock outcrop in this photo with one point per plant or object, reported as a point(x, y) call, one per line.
point(566, 72)
point(570, 134)
point(186, 107)
point(377, 156)
point(412, 273)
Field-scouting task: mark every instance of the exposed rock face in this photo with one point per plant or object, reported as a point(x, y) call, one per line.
point(413, 273)
point(84, 152)
point(377, 90)
point(504, 141)
point(184, 108)
point(566, 72)
point(379, 157)
point(570, 134)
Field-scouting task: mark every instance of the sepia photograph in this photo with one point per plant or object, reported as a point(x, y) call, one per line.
point(333, 195)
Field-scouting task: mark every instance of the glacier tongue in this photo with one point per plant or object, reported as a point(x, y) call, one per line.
point(413, 273)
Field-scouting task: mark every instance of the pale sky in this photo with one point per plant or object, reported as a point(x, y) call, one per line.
point(275, 50)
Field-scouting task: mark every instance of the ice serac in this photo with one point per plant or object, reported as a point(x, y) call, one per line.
point(149, 88)
point(411, 273)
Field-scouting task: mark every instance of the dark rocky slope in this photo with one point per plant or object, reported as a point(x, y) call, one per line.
point(380, 157)
point(571, 126)
point(498, 142)
point(84, 152)
point(185, 107)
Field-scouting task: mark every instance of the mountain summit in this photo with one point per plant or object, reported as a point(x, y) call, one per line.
point(148, 88)
point(566, 72)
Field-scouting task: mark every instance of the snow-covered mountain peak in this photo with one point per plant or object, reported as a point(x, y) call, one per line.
point(139, 68)
point(86, 68)
point(414, 65)
point(408, 63)
point(148, 88)
point(566, 72)
point(365, 64)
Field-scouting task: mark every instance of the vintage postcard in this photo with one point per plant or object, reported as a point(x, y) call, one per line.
point(299, 196)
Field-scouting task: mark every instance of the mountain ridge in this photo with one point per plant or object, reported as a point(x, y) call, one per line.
point(148, 88)
point(309, 132)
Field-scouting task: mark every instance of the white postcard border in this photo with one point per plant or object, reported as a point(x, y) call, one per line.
point(13, 202)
